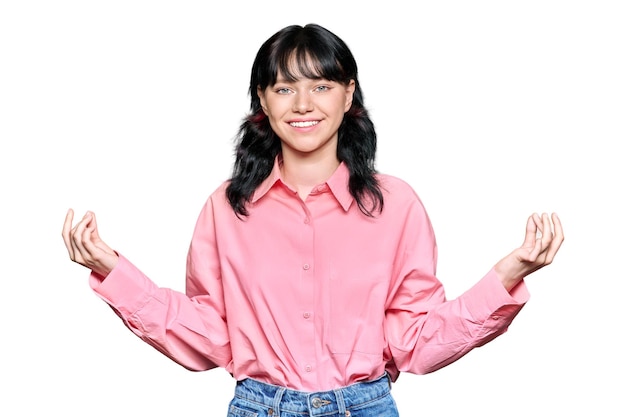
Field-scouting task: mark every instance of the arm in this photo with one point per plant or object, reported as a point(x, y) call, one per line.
point(190, 330)
point(426, 332)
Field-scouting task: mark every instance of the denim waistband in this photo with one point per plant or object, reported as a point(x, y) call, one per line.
point(280, 399)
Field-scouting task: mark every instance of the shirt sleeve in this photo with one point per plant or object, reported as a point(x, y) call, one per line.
point(424, 330)
point(188, 328)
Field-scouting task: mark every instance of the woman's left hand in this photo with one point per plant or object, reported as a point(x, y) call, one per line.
point(544, 236)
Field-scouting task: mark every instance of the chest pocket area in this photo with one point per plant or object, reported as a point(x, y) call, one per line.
point(357, 311)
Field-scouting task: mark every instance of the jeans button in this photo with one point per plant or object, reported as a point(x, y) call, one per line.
point(318, 402)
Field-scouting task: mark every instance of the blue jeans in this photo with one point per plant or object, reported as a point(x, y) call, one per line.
point(363, 399)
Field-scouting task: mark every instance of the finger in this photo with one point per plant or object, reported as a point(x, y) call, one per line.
point(94, 223)
point(78, 239)
point(66, 232)
point(535, 237)
point(543, 238)
point(531, 232)
point(535, 251)
point(557, 240)
point(94, 250)
point(539, 222)
point(546, 231)
point(87, 239)
point(558, 227)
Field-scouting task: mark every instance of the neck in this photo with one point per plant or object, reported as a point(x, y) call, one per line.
point(304, 173)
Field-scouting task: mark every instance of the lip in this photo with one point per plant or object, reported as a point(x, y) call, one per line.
point(303, 123)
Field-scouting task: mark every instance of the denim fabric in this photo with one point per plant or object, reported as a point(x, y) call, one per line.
point(364, 399)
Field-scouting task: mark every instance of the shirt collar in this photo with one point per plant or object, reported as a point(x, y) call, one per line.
point(337, 183)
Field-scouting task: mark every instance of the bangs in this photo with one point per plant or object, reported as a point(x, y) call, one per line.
point(303, 52)
point(302, 62)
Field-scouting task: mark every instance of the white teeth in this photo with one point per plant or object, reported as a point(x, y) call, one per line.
point(304, 124)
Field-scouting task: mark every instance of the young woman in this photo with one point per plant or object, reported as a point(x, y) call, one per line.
point(311, 276)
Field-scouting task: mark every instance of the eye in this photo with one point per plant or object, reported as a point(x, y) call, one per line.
point(282, 90)
point(321, 88)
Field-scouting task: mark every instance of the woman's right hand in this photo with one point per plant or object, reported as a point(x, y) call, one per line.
point(85, 246)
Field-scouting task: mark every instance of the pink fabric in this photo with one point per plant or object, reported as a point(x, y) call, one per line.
point(312, 295)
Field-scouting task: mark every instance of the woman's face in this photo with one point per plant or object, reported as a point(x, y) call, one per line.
point(306, 113)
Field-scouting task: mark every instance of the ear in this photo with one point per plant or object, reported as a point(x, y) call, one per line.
point(261, 94)
point(349, 95)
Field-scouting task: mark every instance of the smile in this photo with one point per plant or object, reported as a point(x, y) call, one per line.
point(304, 124)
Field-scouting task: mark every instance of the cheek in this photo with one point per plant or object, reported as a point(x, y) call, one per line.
point(274, 122)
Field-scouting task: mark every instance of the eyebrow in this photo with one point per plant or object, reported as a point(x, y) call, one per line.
point(287, 81)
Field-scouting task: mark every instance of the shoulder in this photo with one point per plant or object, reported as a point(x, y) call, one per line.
point(398, 193)
point(395, 188)
point(217, 198)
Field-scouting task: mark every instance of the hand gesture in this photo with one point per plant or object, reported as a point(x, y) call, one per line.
point(85, 246)
point(541, 243)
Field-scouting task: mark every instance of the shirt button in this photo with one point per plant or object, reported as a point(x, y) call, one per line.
point(308, 368)
point(306, 315)
point(306, 267)
point(307, 220)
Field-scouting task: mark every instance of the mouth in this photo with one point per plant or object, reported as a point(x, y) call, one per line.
point(308, 123)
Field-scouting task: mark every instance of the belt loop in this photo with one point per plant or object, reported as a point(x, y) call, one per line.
point(341, 405)
point(277, 399)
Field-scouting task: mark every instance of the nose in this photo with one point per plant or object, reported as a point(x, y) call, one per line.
point(302, 103)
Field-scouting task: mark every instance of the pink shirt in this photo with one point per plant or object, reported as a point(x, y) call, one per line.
point(312, 295)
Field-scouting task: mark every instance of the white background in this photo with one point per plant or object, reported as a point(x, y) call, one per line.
point(490, 109)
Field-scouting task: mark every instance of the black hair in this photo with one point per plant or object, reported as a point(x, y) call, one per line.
point(317, 53)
